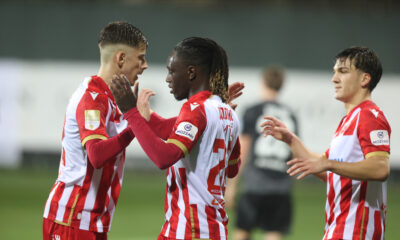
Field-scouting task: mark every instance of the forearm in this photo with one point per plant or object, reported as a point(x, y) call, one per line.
point(162, 127)
point(373, 168)
point(101, 151)
point(162, 154)
point(299, 150)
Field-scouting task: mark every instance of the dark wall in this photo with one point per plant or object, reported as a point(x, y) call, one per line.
point(294, 35)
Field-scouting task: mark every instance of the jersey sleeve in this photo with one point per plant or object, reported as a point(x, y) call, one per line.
point(91, 116)
point(373, 132)
point(188, 127)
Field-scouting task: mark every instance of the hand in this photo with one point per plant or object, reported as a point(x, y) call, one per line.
point(235, 91)
point(277, 129)
point(307, 166)
point(143, 104)
point(123, 95)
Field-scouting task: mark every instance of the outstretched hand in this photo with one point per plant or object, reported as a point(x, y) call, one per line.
point(235, 91)
point(143, 104)
point(277, 129)
point(307, 166)
point(124, 96)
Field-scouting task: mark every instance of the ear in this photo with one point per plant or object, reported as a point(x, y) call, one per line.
point(366, 79)
point(192, 72)
point(120, 58)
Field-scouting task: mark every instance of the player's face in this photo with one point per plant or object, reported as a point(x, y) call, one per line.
point(135, 63)
point(347, 80)
point(177, 78)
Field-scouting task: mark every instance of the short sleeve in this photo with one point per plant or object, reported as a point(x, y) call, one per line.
point(373, 132)
point(91, 116)
point(189, 126)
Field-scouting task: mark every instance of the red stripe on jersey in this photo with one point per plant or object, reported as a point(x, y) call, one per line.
point(63, 157)
point(185, 194)
point(105, 218)
point(213, 227)
point(223, 215)
point(56, 198)
point(196, 223)
point(165, 226)
point(115, 188)
point(85, 189)
point(331, 199)
point(101, 196)
point(377, 226)
point(360, 213)
point(365, 224)
point(174, 190)
point(345, 199)
point(70, 203)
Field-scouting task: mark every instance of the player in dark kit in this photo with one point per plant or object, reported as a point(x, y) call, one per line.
point(266, 200)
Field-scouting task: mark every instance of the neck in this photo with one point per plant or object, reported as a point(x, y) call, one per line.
point(106, 73)
point(356, 100)
point(203, 86)
point(269, 95)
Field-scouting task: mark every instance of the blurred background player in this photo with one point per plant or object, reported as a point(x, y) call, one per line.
point(356, 165)
point(81, 204)
point(202, 146)
point(266, 199)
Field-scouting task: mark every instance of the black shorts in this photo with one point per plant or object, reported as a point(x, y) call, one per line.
point(267, 212)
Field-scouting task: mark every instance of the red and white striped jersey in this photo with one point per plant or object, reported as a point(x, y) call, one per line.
point(207, 132)
point(82, 196)
point(357, 209)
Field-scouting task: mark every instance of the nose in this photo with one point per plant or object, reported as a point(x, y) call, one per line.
point(335, 78)
point(145, 65)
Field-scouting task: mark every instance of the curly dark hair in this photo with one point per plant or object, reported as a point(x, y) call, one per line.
point(211, 57)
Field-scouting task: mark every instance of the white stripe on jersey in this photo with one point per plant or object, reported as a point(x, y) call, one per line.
point(90, 199)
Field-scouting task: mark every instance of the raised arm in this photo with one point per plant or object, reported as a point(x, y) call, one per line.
point(162, 127)
point(278, 130)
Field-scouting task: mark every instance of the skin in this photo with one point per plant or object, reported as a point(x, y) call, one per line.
point(184, 81)
point(350, 86)
point(122, 60)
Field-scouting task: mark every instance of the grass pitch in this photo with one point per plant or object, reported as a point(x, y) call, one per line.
point(139, 213)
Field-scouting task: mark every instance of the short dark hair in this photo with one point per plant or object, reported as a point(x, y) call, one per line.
point(274, 77)
point(363, 59)
point(123, 33)
point(211, 57)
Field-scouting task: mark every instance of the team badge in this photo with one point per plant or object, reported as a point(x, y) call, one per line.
point(92, 119)
point(379, 137)
point(186, 129)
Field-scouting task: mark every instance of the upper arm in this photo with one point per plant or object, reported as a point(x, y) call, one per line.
point(188, 128)
point(91, 117)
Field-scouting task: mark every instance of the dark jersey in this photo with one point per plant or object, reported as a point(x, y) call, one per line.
point(266, 164)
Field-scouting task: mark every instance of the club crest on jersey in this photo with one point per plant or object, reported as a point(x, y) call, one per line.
point(379, 137)
point(186, 129)
point(92, 119)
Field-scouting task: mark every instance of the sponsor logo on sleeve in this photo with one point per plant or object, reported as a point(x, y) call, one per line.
point(186, 129)
point(379, 137)
point(376, 113)
point(92, 119)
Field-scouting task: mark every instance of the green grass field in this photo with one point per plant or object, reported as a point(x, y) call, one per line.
point(139, 213)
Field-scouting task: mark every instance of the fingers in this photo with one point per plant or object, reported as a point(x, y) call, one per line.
point(136, 88)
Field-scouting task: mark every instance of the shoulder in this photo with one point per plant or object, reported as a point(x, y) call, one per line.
point(371, 116)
